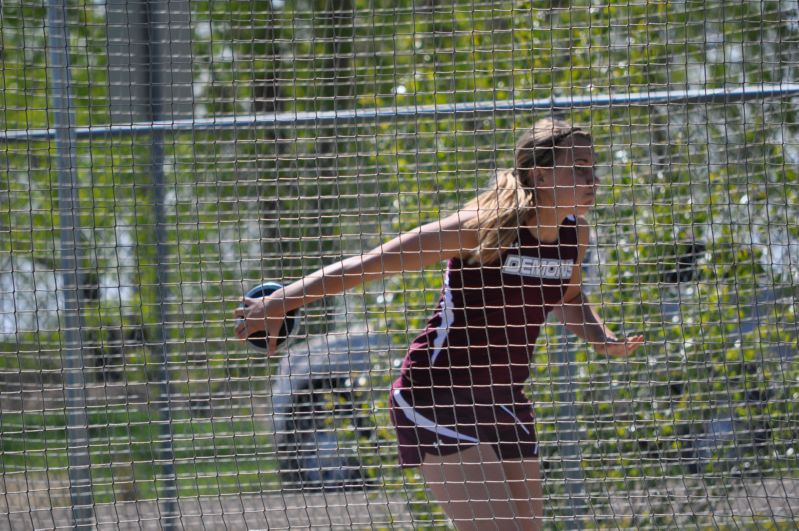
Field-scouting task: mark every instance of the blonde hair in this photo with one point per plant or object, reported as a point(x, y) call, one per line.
point(502, 209)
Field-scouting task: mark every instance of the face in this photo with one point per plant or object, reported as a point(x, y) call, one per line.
point(569, 187)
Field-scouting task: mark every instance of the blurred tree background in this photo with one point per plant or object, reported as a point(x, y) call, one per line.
point(694, 234)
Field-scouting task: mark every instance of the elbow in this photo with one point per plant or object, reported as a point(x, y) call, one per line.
point(560, 314)
point(571, 302)
point(570, 309)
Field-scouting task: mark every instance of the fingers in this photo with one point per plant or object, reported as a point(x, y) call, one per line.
point(624, 347)
point(633, 343)
point(247, 319)
point(241, 311)
point(271, 347)
point(241, 329)
point(251, 318)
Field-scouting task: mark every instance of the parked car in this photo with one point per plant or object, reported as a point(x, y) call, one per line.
point(322, 410)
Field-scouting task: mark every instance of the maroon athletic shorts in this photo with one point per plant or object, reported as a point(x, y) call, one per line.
point(442, 424)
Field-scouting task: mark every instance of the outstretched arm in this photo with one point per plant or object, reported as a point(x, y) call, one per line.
point(580, 318)
point(410, 251)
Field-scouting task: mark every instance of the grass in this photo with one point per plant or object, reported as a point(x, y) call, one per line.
point(211, 456)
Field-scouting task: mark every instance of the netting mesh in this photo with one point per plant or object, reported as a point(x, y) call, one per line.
point(693, 244)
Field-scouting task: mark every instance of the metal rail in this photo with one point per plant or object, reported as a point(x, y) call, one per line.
point(266, 120)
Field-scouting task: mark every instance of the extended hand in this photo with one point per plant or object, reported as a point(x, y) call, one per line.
point(619, 347)
point(257, 315)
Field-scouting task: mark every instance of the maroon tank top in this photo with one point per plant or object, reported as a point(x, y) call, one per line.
point(479, 341)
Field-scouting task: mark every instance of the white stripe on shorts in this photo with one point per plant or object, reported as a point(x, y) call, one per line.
point(426, 423)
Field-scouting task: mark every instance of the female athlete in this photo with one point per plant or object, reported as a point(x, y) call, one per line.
point(514, 255)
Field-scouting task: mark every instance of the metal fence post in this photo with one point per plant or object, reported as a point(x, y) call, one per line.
point(569, 434)
point(80, 481)
point(155, 60)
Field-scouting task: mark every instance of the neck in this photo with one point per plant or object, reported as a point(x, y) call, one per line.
point(545, 224)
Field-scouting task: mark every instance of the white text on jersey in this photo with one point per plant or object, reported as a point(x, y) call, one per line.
point(533, 266)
